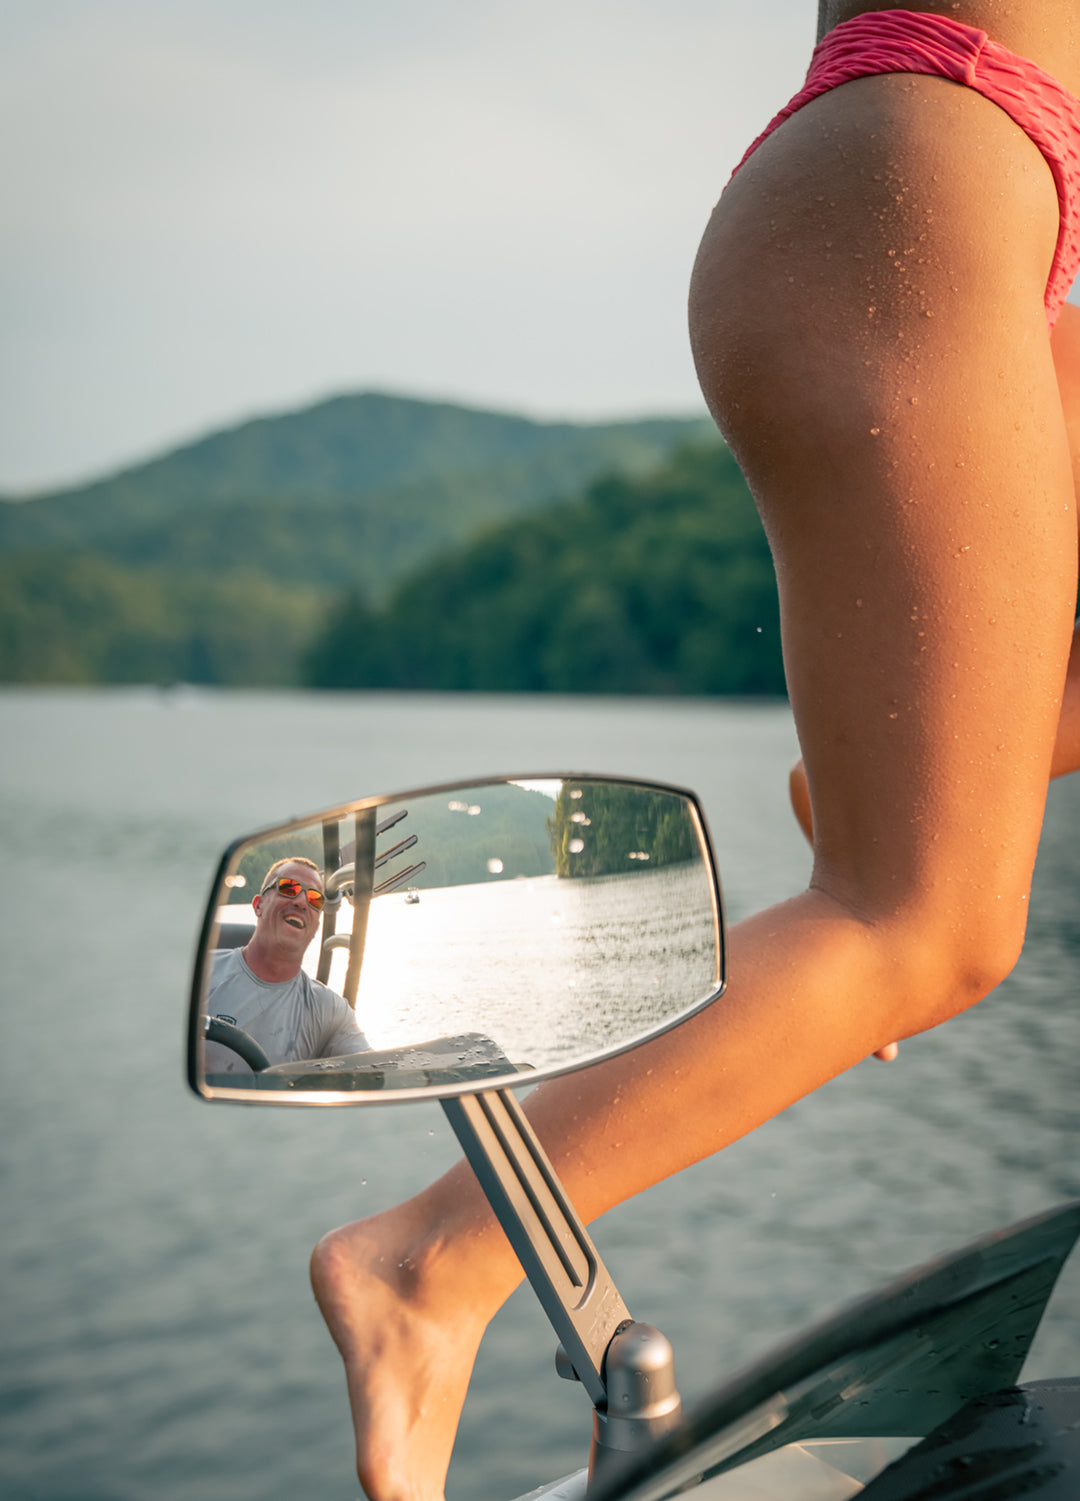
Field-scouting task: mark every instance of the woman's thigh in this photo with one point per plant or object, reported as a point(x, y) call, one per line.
point(867, 320)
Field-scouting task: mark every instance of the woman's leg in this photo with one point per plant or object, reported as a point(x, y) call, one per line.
point(1065, 348)
point(1067, 744)
point(880, 366)
point(1066, 756)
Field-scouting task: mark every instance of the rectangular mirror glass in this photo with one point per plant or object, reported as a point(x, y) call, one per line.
point(465, 937)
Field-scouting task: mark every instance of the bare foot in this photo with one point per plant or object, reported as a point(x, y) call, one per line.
point(408, 1345)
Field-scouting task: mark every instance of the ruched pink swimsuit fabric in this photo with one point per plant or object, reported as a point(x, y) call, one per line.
point(905, 41)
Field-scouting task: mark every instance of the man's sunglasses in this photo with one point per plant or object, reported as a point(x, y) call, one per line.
point(290, 888)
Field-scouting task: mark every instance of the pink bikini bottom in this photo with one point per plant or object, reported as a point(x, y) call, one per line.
point(904, 41)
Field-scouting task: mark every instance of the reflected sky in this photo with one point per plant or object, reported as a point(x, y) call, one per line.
point(410, 197)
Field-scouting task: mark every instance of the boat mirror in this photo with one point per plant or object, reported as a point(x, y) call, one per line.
point(470, 936)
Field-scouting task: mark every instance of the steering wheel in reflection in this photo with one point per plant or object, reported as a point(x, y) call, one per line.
point(230, 1036)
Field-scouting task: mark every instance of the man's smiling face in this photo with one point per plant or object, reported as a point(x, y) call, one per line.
point(288, 922)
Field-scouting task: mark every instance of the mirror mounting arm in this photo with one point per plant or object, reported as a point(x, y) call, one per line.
point(609, 1352)
point(553, 1246)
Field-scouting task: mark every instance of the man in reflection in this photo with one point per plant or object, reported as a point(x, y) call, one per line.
point(262, 988)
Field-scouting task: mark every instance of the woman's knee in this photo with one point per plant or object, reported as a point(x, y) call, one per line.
point(943, 956)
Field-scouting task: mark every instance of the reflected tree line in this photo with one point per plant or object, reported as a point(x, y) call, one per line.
point(590, 829)
point(600, 829)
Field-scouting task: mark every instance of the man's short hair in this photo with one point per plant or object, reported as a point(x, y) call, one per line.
point(290, 860)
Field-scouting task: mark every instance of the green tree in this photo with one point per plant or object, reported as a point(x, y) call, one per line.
point(656, 585)
point(602, 828)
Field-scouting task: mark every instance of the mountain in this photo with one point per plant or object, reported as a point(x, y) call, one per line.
point(372, 468)
point(182, 567)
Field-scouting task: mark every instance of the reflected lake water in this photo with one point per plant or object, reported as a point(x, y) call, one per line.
point(159, 1339)
point(601, 952)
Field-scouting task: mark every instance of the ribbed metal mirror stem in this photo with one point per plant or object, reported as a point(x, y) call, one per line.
point(626, 1367)
point(549, 1239)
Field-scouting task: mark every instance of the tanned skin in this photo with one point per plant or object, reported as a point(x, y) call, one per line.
point(866, 314)
point(284, 925)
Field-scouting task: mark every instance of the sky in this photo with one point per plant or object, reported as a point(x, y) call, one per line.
point(217, 209)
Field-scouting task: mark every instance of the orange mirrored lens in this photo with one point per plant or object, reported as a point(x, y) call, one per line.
point(290, 888)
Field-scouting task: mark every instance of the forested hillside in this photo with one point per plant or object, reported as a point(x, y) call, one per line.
point(216, 563)
point(656, 585)
point(368, 454)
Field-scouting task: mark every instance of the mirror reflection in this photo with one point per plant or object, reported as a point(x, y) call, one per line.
point(467, 934)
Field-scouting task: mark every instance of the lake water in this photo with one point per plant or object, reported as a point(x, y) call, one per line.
point(159, 1339)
